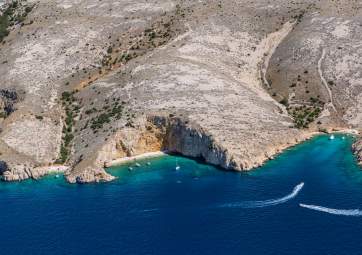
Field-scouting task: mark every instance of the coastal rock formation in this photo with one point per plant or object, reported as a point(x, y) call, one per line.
point(182, 135)
point(231, 82)
point(357, 148)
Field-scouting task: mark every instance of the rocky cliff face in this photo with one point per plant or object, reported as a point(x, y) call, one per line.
point(357, 149)
point(177, 134)
point(231, 82)
point(190, 139)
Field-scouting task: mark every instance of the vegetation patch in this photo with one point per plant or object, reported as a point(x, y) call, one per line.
point(71, 110)
point(13, 14)
point(8, 99)
point(154, 36)
point(113, 112)
point(304, 115)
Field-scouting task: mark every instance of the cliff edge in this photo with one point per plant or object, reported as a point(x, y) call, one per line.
point(231, 82)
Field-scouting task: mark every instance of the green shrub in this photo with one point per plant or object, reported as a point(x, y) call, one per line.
point(28, 9)
point(4, 23)
point(304, 115)
point(63, 154)
point(284, 102)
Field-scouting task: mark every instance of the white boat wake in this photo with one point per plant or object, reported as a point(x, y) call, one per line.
point(352, 212)
point(270, 202)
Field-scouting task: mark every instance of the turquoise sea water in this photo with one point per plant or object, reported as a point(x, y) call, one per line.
point(196, 210)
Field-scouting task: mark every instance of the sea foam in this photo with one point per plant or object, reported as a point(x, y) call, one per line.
point(351, 212)
point(270, 202)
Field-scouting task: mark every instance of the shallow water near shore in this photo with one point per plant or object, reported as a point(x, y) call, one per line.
point(199, 209)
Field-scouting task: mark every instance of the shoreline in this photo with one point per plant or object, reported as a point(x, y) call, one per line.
point(279, 150)
point(37, 173)
point(345, 131)
point(125, 160)
point(309, 136)
point(282, 148)
point(60, 169)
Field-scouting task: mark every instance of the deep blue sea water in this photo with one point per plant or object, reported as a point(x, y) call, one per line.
point(196, 210)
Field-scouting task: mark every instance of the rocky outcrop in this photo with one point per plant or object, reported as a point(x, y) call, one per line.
point(223, 81)
point(89, 175)
point(89, 161)
point(3, 167)
point(191, 140)
point(357, 149)
point(11, 170)
point(188, 139)
point(175, 134)
point(14, 166)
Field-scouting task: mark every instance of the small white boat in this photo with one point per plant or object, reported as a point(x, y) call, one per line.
point(343, 137)
point(57, 176)
point(130, 168)
point(331, 137)
point(177, 166)
point(148, 163)
point(137, 164)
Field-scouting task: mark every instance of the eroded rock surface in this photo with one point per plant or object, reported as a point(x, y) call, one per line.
point(231, 82)
point(357, 148)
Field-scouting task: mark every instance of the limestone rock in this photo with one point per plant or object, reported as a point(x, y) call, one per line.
point(357, 149)
point(98, 80)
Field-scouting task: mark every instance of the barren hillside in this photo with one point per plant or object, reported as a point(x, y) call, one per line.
point(231, 82)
